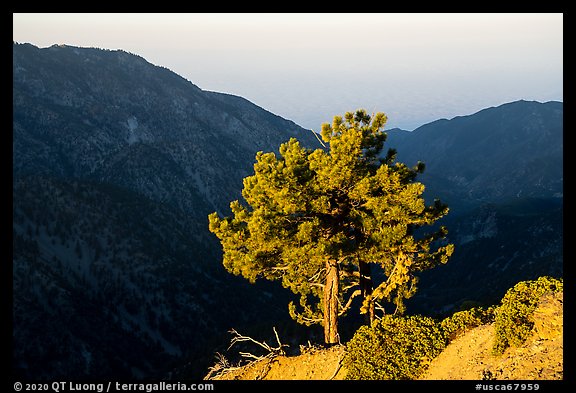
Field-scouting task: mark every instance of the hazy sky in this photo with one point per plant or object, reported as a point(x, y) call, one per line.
point(309, 67)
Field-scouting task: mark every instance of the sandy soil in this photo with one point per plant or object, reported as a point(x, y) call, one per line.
point(319, 364)
point(540, 357)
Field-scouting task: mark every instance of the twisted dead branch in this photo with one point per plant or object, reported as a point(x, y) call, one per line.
point(223, 366)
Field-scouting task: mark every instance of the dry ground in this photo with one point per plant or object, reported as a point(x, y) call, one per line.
point(540, 357)
point(466, 357)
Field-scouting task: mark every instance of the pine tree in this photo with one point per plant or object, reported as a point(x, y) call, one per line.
point(318, 219)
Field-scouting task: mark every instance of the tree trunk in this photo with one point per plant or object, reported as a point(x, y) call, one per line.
point(366, 289)
point(331, 291)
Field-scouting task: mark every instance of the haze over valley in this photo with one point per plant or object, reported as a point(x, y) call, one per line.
point(308, 67)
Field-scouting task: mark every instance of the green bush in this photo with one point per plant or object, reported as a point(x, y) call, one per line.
point(513, 322)
point(462, 321)
point(397, 347)
point(394, 347)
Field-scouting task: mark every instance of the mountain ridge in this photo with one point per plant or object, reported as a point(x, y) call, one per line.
point(140, 139)
point(511, 135)
point(489, 108)
point(126, 159)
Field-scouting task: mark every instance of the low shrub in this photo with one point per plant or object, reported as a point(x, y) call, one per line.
point(513, 321)
point(394, 347)
point(462, 321)
point(401, 347)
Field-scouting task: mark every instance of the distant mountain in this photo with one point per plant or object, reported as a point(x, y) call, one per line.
point(510, 151)
point(501, 173)
point(116, 164)
point(110, 116)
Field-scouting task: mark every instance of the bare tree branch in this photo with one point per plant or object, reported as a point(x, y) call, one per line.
point(316, 275)
point(271, 350)
point(319, 140)
point(349, 303)
point(311, 320)
point(222, 365)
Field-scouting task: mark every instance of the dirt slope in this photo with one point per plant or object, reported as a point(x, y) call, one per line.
point(467, 357)
point(540, 357)
point(313, 364)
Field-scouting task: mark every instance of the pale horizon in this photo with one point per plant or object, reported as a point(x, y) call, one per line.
point(416, 68)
